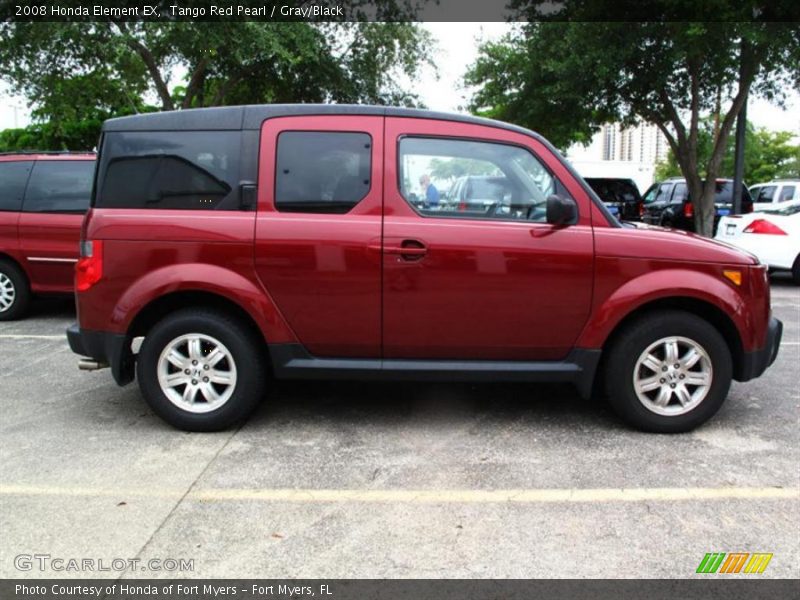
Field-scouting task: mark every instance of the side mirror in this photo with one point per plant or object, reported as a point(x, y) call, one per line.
point(561, 211)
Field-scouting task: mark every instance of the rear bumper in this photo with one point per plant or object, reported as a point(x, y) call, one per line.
point(105, 347)
point(755, 363)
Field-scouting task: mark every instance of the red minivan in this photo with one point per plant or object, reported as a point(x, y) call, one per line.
point(229, 246)
point(43, 198)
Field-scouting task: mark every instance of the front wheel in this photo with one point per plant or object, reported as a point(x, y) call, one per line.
point(668, 372)
point(201, 370)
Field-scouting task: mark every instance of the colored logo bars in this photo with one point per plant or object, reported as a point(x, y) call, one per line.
point(734, 562)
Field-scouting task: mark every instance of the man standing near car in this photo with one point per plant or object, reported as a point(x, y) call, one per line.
point(430, 191)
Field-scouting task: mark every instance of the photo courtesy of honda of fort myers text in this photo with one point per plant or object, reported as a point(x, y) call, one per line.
point(399, 300)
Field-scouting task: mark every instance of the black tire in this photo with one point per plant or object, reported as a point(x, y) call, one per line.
point(14, 277)
point(624, 354)
point(796, 270)
point(247, 353)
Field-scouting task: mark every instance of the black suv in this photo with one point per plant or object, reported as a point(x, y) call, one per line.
point(621, 196)
point(668, 203)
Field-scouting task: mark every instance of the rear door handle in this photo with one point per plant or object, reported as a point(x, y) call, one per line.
point(407, 249)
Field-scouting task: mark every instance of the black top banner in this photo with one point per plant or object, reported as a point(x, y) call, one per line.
point(399, 10)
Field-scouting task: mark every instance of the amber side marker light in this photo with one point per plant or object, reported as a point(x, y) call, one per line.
point(734, 277)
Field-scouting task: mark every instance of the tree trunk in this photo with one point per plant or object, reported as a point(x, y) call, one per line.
point(705, 211)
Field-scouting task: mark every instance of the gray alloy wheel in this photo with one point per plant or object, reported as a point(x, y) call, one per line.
point(672, 376)
point(197, 373)
point(8, 293)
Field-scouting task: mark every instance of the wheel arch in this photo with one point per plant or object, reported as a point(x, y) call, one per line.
point(6, 257)
point(196, 285)
point(696, 306)
point(161, 306)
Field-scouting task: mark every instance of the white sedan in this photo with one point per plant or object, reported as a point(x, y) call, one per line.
point(772, 235)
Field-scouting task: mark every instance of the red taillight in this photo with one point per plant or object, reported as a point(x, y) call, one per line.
point(89, 269)
point(462, 206)
point(762, 226)
point(641, 209)
point(688, 210)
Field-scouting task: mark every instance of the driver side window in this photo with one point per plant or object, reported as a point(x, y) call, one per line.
point(449, 178)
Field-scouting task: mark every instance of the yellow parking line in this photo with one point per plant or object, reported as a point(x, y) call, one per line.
point(521, 496)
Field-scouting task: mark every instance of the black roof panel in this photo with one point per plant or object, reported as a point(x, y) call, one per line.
point(252, 116)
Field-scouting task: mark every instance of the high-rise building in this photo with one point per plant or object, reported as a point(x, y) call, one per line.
point(614, 151)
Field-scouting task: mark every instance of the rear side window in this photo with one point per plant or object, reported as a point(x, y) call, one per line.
point(681, 193)
point(184, 170)
point(60, 186)
point(787, 193)
point(322, 172)
point(13, 178)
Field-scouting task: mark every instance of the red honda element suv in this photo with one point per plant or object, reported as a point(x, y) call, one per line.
point(227, 246)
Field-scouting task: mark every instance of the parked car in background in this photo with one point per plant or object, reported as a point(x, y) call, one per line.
point(228, 244)
point(621, 196)
point(668, 203)
point(479, 193)
point(765, 195)
point(772, 235)
point(43, 198)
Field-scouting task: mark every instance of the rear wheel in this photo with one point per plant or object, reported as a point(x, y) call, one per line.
point(15, 293)
point(668, 372)
point(201, 370)
point(796, 270)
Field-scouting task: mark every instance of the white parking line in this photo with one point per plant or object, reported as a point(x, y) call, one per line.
point(518, 496)
point(26, 336)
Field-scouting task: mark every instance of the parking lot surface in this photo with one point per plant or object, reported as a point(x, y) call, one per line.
point(389, 480)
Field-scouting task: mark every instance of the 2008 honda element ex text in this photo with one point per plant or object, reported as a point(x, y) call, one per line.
point(229, 246)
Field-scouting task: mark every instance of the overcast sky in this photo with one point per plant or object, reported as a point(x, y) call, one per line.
point(458, 47)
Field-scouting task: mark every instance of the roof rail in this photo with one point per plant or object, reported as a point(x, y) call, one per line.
point(47, 152)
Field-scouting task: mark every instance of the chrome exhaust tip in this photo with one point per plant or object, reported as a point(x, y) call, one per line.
point(87, 364)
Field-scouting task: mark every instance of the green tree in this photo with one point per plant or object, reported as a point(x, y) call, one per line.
point(768, 155)
point(81, 72)
point(566, 79)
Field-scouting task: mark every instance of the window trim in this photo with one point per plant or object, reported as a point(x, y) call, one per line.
point(326, 131)
point(399, 173)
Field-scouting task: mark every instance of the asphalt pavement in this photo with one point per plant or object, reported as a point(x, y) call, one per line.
point(387, 480)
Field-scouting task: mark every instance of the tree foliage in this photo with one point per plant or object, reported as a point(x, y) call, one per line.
point(79, 72)
point(768, 155)
point(566, 79)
